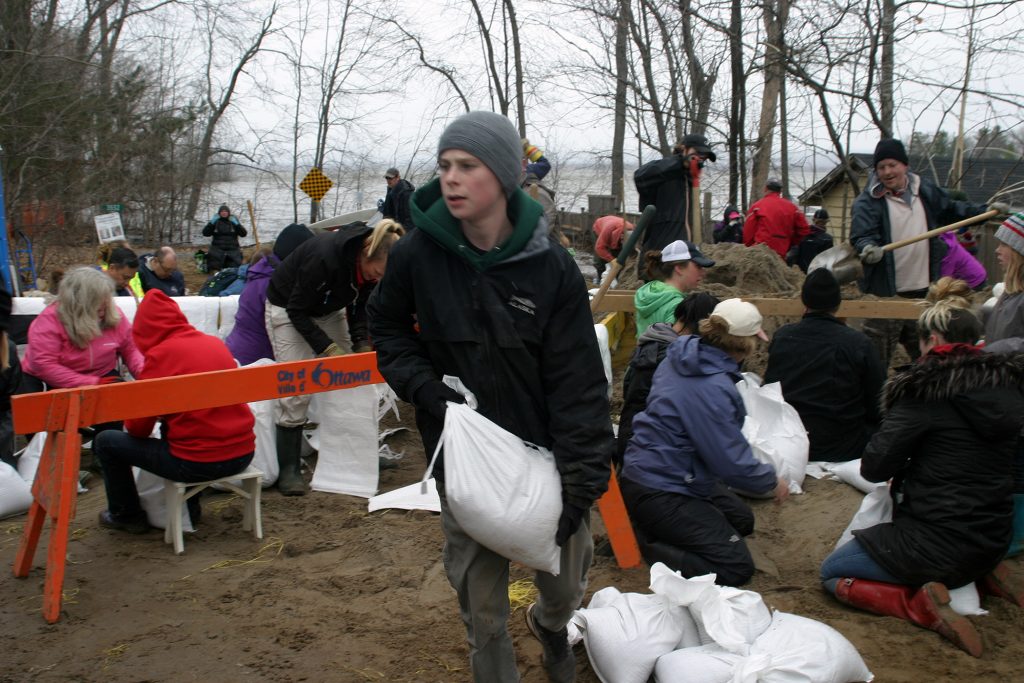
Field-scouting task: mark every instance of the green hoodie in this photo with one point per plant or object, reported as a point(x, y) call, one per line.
point(430, 215)
point(655, 303)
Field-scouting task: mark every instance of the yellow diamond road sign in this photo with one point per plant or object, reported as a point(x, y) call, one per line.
point(315, 184)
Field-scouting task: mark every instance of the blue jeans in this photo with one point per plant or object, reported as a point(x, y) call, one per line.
point(851, 560)
point(118, 452)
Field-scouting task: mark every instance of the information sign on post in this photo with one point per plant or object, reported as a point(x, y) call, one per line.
point(109, 227)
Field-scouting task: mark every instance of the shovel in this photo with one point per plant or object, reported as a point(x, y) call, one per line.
point(844, 261)
point(616, 266)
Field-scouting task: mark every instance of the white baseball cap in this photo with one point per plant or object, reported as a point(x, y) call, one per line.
point(742, 317)
point(682, 250)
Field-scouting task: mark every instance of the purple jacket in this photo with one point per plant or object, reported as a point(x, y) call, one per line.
point(248, 341)
point(959, 263)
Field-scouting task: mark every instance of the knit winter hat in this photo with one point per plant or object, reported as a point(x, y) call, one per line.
point(1011, 233)
point(290, 238)
point(890, 148)
point(492, 139)
point(820, 291)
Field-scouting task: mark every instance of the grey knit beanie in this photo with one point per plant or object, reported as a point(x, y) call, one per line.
point(1011, 233)
point(492, 139)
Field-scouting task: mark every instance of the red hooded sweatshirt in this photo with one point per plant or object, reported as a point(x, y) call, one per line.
point(173, 347)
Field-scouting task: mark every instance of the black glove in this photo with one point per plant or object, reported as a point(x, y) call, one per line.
point(568, 523)
point(433, 397)
point(791, 256)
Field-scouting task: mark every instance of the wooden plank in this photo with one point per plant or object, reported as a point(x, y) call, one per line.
point(46, 412)
point(621, 300)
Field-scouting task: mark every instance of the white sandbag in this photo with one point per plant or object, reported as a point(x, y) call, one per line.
point(30, 305)
point(731, 617)
point(774, 430)
point(876, 508)
point(409, 497)
point(203, 312)
point(626, 636)
point(228, 308)
point(128, 306)
point(603, 344)
point(506, 494)
point(15, 492)
point(347, 442)
point(849, 472)
point(28, 461)
point(794, 649)
point(154, 501)
point(701, 664)
point(965, 600)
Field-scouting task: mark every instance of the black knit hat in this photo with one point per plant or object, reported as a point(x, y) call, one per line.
point(890, 148)
point(773, 184)
point(821, 213)
point(290, 238)
point(821, 291)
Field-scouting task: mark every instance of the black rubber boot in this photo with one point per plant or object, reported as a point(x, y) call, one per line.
point(289, 450)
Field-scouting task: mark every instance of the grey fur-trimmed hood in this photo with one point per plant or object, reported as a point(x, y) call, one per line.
point(940, 378)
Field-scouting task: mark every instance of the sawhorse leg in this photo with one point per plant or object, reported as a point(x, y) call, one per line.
point(620, 531)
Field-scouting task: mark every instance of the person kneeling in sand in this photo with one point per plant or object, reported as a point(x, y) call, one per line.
point(687, 447)
point(197, 445)
point(947, 441)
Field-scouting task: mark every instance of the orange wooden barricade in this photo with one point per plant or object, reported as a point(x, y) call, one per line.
point(60, 414)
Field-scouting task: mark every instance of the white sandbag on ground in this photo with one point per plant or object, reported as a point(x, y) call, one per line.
point(849, 472)
point(15, 492)
point(154, 500)
point(794, 649)
point(774, 430)
point(505, 493)
point(409, 497)
point(701, 664)
point(604, 345)
point(203, 312)
point(626, 633)
point(28, 461)
point(876, 508)
point(347, 442)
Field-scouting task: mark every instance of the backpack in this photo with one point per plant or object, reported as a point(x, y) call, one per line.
point(215, 284)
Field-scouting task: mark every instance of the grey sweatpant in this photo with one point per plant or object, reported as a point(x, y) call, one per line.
point(480, 578)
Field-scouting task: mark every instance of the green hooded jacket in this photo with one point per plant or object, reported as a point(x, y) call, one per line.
point(430, 215)
point(655, 303)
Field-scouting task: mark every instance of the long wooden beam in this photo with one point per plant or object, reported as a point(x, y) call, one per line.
point(896, 309)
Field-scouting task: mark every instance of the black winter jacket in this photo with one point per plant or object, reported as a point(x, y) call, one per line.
point(650, 350)
point(870, 225)
point(947, 441)
point(225, 233)
point(318, 278)
point(396, 203)
point(666, 184)
point(832, 375)
point(517, 331)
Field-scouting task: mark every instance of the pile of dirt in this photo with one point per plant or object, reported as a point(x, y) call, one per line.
point(749, 271)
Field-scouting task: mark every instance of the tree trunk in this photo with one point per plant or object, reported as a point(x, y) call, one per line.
point(619, 134)
point(885, 77)
point(517, 56)
point(775, 12)
point(738, 90)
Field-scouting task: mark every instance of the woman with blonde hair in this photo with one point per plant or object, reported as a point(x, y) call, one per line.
point(316, 306)
point(688, 449)
point(948, 438)
point(79, 338)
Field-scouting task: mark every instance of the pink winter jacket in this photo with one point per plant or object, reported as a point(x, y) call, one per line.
point(54, 359)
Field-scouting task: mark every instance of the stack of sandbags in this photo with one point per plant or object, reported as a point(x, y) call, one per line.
point(693, 631)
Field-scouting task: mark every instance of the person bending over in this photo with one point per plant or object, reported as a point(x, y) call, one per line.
point(687, 447)
point(947, 442)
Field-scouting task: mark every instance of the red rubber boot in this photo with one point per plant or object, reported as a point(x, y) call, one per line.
point(1004, 583)
point(927, 607)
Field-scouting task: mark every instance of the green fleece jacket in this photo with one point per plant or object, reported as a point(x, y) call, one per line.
point(655, 303)
point(430, 214)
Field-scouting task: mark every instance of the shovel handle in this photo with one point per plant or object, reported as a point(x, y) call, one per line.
point(938, 231)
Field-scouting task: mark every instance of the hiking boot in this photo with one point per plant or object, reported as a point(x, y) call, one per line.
point(558, 660)
point(1004, 583)
point(289, 460)
point(136, 524)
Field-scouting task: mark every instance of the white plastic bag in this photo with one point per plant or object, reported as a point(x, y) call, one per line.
point(876, 508)
point(506, 494)
point(849, 472)
point(774, 430)
point(794, 649)
point(347, 442)
point(154, 500)
point(604, 344)
point(28, 461)
point(627, 634)
point(15, 492)
point(409, 497)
